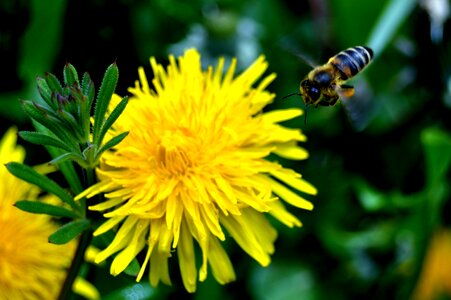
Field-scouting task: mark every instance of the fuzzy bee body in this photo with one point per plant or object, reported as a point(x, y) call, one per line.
point(324, 85)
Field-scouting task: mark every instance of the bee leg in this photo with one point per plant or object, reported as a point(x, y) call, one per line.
point(321, 101)
point(333, 102)
point(346, 91)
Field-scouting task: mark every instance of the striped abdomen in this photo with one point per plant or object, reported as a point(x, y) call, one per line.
point(352, 61)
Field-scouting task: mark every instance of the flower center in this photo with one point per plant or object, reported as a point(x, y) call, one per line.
point(176, 153)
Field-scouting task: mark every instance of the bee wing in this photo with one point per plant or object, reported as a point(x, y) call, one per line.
point(287, 46)
point(306, 59)
point(358, 104)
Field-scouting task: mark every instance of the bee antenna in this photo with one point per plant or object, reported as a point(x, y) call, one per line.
point(305, 115)
point(292, 94)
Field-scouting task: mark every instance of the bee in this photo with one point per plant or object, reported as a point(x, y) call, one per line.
point(324, 85)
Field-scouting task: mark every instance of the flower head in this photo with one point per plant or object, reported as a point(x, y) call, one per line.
point(194, 167)
point(30, 267)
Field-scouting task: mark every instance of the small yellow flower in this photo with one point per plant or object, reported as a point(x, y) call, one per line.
point(30, 267)
point(194, 167)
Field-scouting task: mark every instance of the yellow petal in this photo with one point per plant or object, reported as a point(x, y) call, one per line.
point(280, 213)
point(84, 288)
point(295, 182)
point(96, 189)
point(137, 243)
point(290, 197)
point(106, 204)
point(159, 268)
point(109, 224)
point(187, 260)
point(291, 151)
point(121, 240)
point(281, 115)
point(220, 264)
point(245, 237)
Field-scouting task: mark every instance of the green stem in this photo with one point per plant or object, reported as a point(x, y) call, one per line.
point(79, 256)
point(74, 269)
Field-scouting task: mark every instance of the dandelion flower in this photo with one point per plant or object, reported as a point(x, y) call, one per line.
point(194, 167)
point(435, 278)
point(30, 267)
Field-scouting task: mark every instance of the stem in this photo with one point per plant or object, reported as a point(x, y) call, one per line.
point(85, 241)
point(74, 269)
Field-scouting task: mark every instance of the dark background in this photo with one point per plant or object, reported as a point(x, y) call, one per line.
point(383, 190)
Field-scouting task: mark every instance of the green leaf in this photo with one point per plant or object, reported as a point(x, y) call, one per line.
point(29, 175)
point(111, 143)
point(69, 156)
point(71, 122)
point(53, 83)
point(45, 92)
point(437, 148)
point(38, 113)
point(88, 89)
point(133, 268)
point(69, 231)
point(395, 13)
point(70, 74)
point(117, 111)
point(37, 207)
point(43, 139)
point(281, 281)
point(103, 98)
point(67, 168)
point(85, 117)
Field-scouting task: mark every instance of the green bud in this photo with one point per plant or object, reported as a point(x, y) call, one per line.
point(70, 75)
point(53, 83)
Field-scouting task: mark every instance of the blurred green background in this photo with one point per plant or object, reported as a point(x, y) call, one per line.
point(383, 190)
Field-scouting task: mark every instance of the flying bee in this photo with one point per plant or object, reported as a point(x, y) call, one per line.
point(324, 85)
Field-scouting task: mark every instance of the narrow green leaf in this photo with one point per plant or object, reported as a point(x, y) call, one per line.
point(43, 139)
point(54, 125)
point(53, 83)
point(389, 22)
point(69, 231)
point(70, 74)
point(72, 124)
point(103, 98)
point(437, 149)
point(88, 89)
point(45, 91)
point(117, 111)
point(111, 143)
point(29, 175)
point(38, 207)
point(76, 92)
point(89, 154)
point(68, 170)
point(85, 118)
point(69, 156)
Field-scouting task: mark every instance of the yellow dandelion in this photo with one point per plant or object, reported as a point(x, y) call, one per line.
point(435, 278)
point(194, 168)
point(30, 267)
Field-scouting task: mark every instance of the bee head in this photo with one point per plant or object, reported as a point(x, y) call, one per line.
point(310, 91)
